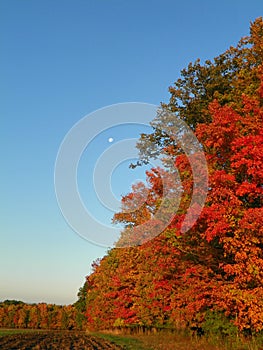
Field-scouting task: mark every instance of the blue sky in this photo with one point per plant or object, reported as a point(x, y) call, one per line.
point(61, 60)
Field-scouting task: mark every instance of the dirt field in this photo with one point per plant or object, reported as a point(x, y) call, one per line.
point(55, 341)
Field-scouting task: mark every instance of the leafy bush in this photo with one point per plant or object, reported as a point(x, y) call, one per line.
point(216, 324)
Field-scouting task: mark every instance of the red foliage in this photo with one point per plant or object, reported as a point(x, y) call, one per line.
point(174, 278)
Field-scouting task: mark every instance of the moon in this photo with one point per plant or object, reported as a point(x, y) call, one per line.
point(110, 139)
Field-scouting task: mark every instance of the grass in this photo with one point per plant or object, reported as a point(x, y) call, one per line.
point(4, 332)
point(128, 342)
point(166, 341)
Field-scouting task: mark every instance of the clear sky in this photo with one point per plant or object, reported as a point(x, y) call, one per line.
point(61, 60)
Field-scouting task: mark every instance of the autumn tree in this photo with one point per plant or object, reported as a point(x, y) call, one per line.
point(225, 79)
point(17, 314)
point(179, 278)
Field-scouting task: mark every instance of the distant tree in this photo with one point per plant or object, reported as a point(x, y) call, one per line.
point(13, 302)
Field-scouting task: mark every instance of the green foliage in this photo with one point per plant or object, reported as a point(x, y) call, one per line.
point(12, 302)
point(216, 324)
point(80, 306)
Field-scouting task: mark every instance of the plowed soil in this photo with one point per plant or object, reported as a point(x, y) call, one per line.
point(55, 341)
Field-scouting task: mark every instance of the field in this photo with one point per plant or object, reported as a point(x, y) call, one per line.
point(42, 340)
point(67, 340)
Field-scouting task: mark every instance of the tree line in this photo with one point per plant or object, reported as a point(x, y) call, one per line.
point(17, 314)
point(211, 276)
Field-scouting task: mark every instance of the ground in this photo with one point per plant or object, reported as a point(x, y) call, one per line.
point(55, 341)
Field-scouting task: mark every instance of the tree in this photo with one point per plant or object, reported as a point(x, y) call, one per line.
point(80, 307)
point(215, 267)
point(225, 79)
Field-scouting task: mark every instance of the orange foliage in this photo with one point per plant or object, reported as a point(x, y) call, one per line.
point(174, 279)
